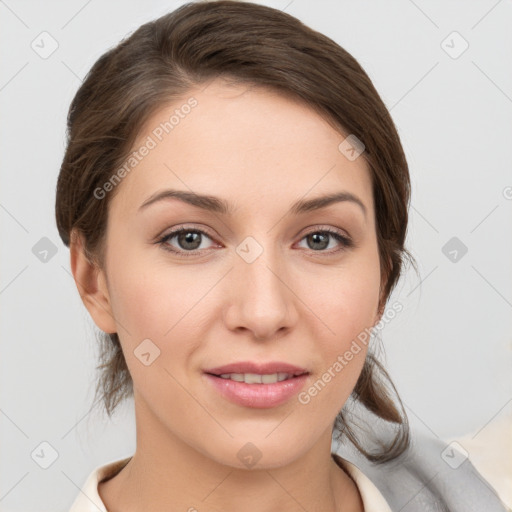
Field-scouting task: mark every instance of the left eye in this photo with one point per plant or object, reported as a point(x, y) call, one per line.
point(320, 240)
point(190, 241)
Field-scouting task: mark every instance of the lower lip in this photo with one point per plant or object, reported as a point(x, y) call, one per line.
point(260, 396)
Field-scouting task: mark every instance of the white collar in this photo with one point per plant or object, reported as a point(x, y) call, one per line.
point(88, 500)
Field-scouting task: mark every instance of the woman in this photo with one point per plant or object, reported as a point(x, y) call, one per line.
point(234, 195)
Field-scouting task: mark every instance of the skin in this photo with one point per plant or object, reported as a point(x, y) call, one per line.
point(297, 303)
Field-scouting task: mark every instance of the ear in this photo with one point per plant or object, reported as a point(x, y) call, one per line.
point(92, 287)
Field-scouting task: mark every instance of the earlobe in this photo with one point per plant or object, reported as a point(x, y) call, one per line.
point(92, 287)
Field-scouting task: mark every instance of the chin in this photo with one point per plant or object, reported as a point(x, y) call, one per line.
point(263, 451)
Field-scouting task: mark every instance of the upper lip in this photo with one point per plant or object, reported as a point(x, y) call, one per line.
point(258, 368)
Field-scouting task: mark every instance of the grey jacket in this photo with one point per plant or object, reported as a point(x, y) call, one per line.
point(431, 476)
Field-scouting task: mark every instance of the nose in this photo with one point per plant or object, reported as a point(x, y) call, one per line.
point(259, 298)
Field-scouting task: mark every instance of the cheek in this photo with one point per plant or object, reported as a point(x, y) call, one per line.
point(141, 305)
point(146, 297)
point(346, 307)
point(152, 306)
point(343, 352)
point(152, 301)
point(347, 302)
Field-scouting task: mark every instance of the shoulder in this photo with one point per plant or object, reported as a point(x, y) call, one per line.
point(88, 499)
point(489, 449)
point(431, 476)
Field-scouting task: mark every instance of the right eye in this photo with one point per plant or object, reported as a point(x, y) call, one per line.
point(188, 241)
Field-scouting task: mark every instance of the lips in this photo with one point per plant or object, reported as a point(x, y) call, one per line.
point(257, 368)
point(251, 384)
point(260, 396)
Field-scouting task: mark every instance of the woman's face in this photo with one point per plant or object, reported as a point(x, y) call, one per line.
point(261, 282)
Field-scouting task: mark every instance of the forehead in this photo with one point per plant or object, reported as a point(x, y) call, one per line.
point(242, 143)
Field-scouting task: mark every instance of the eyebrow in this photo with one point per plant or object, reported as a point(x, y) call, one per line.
point(214, 204)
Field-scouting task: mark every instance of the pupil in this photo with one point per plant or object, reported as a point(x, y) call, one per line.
point(317, 238)
point(188, 238)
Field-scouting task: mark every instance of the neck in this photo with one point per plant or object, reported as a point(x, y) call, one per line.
point(166, 471)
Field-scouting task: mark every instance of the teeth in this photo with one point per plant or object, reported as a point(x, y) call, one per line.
point(254, 378)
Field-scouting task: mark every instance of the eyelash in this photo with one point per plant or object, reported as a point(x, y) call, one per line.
point(346, 243)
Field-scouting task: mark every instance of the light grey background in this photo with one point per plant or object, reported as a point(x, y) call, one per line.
point(448, 351)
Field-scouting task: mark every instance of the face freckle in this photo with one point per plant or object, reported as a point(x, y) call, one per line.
point(263, 294)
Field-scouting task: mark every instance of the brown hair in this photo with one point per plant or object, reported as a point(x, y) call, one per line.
point(254, 45)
